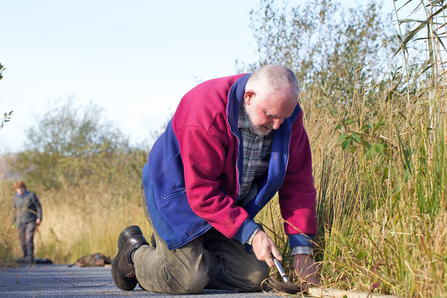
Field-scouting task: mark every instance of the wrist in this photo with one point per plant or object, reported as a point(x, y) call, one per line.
point(252, 236)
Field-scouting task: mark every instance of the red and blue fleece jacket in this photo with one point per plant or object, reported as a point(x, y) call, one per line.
point(193, 174)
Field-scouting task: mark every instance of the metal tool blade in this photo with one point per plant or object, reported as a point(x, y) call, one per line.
point(284, 276)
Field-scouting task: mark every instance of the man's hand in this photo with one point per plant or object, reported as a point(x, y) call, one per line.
point(306, 269)
point(264, 248)
point(38, 221)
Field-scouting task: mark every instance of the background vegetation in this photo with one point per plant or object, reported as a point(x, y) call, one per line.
point(87, 177)
point(6, 116)
point(373, 93)
point(377, 128)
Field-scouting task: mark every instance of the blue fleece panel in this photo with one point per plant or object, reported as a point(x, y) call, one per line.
point(167, 203)
point(237, 92)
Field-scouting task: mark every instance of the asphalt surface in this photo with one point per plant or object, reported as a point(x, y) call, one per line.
point(44, 280)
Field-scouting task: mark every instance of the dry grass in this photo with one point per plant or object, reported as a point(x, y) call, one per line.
point(76, 222)
point(82, 221)
point(382, 217)
point(8, 236)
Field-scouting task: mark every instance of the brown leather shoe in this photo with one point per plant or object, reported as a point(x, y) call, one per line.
point(123, 271)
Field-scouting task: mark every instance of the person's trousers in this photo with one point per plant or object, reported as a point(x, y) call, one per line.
point(210, 261)
point(26, 238)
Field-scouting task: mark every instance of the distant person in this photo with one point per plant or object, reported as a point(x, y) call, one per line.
point(232, 144)
point(28, 216)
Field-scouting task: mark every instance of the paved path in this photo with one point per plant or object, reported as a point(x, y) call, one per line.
point(42, 280)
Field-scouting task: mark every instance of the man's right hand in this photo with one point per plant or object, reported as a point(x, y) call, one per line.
point(264, 248)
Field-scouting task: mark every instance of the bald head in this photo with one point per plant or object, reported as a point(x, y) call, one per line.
point(270, 79)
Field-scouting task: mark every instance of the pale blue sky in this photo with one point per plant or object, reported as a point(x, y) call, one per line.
point(135, 58)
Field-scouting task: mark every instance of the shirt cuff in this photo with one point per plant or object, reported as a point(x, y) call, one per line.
point(250, 239)
point(245, 231)
point(302, 250)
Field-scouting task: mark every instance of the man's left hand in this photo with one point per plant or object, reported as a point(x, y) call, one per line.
point(38, 221)
point(306, 269)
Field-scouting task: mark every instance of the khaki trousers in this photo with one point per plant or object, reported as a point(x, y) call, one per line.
point(210, 261)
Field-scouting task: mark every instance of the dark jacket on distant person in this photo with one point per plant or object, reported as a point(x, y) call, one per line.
point(27, 208)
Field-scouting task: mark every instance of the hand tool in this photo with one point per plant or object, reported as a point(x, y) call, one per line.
point(286, 286)
point(280, 270)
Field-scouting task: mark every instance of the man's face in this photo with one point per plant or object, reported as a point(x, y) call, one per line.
point(20, 190)
point(267, 112)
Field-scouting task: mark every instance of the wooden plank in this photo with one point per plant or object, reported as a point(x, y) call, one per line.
point(332, 293)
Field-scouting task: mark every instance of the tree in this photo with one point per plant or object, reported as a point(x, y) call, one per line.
point(1, 70)
point(74, 145)
point(326, 47)
point(6, 116)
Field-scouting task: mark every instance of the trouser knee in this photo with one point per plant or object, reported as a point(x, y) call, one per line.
point(255, 280)
point(194, 284)
point(176, 284)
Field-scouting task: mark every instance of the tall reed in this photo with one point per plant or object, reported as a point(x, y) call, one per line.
point(85, 219)
point(380, 171)
point(379, 157)
point(8, 235)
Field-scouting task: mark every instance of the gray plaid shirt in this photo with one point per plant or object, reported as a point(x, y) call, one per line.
point(256, 154)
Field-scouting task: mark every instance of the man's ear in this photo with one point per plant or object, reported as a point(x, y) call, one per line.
point(248, 96)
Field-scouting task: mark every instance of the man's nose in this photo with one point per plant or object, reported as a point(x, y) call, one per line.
point(276, 123)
